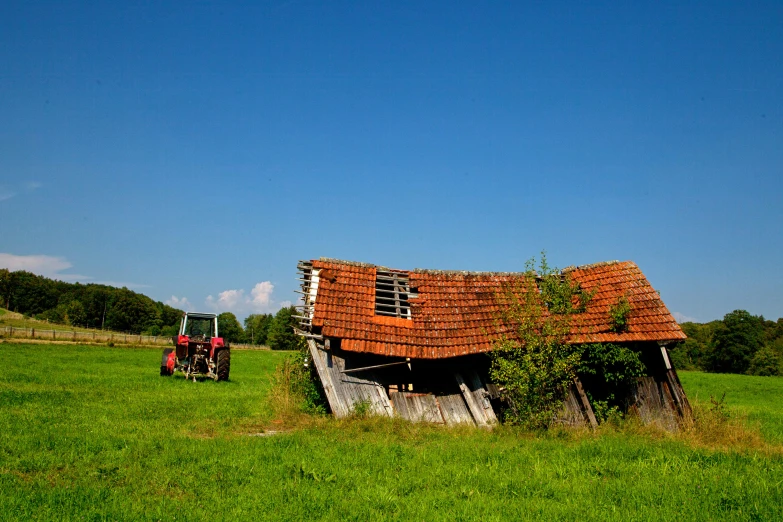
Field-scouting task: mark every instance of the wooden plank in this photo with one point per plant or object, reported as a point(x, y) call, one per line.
point(587, 409)
point(400, 405)
point(417, 407)
point(684, 406)
point(337, 405)
point(494, 390)
point(482, 395)
point(652, 404)
point(572, 414)
point(454, 409)
point(473, 399)
point(358, 389)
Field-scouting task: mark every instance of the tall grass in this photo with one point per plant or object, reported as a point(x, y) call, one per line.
point(96, 434)
point(758, 400)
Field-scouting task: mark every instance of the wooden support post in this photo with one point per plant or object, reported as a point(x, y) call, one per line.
point(476, 398)
point(588, 409)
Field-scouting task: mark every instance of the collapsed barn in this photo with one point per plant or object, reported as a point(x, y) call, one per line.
point(414, 343)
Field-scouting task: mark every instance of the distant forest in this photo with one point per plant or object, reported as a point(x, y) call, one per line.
point(738, 343)
point(90, 305)
point(123, 310)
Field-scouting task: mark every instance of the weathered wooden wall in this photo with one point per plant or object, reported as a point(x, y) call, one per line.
point(658, 399)
point(577, 411)
point(344, 391)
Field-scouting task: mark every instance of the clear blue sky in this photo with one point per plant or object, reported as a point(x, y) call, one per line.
point(188, 150)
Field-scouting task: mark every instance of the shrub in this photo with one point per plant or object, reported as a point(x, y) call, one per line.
point(766, 362)
point(281, 334)
point(609, 373)
point(296, 388)
point(618, 314)
point(536, 366)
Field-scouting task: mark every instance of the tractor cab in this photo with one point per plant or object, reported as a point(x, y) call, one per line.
point(194, 325)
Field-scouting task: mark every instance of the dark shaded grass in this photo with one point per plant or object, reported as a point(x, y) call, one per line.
point(95, 434)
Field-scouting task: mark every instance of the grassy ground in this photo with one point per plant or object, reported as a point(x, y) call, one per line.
point(94, 433)
point(758, 398)
point(18, 320)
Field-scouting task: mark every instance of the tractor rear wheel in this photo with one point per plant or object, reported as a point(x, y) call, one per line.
point(223, 364)
point(164, 363)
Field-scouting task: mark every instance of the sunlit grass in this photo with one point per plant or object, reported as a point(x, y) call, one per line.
point(18, 320)
point(759, 399)
point(96, 433)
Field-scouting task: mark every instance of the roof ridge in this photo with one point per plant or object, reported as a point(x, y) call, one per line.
point(593, 265)
point(430, 271)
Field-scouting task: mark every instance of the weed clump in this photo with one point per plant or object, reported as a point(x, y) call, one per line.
point(716, 427)
point(296, 390)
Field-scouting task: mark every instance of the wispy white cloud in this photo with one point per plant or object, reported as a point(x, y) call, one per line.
point(179, 302)
point(682, 318)
point(237, 301)
point(49, 266)
point(54, 267)
point(7, 192)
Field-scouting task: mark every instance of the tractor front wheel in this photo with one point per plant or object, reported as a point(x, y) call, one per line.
point(223, 364)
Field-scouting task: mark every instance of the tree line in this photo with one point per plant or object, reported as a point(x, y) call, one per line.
point(122, 310)
point(87, 305)
point(275, 331)
point(738, 343)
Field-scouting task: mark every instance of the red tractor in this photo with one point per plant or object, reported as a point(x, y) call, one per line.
point(199, 351)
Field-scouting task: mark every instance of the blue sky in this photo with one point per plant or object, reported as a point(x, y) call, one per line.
point(198, 151)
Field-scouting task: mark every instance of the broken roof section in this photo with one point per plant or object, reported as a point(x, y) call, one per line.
point(429, 314)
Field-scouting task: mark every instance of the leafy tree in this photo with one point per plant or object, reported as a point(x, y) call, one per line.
point(98, 305)
point(257, 327)
point(130, 312)
point(5, 288)
point(687, 355)
point(281, 332)
point(777, 346)
point(229, 328)
point(609, 373)
point(736, 340)
point(765, 362)
point(75, 314)
point(536, 366)
point(30, 294)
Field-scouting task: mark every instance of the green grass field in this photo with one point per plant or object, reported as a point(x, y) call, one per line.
point(94, 433)
point(19, 321)
point(759, 398)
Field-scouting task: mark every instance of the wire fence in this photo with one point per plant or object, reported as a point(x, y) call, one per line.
point(98, 336)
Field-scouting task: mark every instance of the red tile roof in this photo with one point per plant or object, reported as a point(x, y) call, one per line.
point(456, 313)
